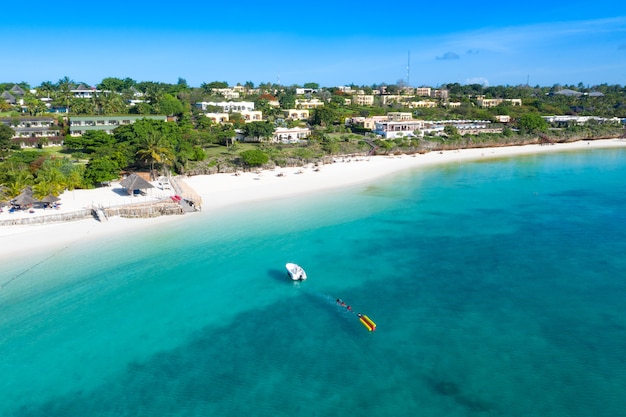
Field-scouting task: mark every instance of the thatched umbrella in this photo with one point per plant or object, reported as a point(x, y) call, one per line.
point(50, 199)
point(25, 198)
point(134, 182)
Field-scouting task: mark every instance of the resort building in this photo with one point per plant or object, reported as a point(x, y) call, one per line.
point(229, 106)
point(399, 116)
point(344, 89)
point(290, 135)
point(393, 98)
point(365, 122)
point(464, 127)
point(218, 117)
point(252, 115)
point(442, 94)
point(393, 130)
point(422, 91)
point(296, 114)
point(83, 91)
point(309, 104)
point(421, 104)
point(564, 121)
point(363, 99)
point(281, 135)
point(32, 132)
point(481, 101)
point(8, 98)
point(303, 91)
point(227, 93)
point(79, 125)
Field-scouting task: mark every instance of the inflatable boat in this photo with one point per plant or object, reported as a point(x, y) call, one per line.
point(367, 322)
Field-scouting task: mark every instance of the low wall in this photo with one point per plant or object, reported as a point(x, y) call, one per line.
point(147, 210)
point(144, 210)
point(51, 218)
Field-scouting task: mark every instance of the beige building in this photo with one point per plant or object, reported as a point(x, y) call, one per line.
point(309, 104)
point(421, 104)
point(399, 116)
point(218, 117)
point(295, 114)
point(393, 98)
point(366, 122)
point(227, 93)
point(252, 115)
point(363, 99)
point(442, 94)
point(481, 101)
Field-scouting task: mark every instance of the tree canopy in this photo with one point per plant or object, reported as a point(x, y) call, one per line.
point(532, 122)
point(254, 157)
point(259, 130)
point(6, 133)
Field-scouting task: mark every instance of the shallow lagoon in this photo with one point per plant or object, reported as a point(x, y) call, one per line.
point(497, 287)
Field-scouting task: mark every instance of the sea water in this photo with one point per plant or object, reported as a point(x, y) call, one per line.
point(498, 288)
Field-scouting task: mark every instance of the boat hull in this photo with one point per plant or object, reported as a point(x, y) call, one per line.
point(296, 272)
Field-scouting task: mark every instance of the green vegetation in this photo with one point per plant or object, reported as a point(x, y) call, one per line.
point(193, 144)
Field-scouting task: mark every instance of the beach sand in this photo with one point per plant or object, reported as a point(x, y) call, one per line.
point(223, 190)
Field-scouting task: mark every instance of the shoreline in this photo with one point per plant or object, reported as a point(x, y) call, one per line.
point(219, 191)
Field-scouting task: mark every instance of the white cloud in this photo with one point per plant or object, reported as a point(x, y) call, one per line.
point(478, 80)
point(447, 56)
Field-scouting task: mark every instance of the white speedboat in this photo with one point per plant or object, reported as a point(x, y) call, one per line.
point(295, 272)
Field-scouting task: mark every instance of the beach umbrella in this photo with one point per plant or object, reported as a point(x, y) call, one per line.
point(49, 199)
point(24, 199)
point(135, 182)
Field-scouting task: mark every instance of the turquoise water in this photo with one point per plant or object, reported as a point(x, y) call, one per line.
point(498, 288)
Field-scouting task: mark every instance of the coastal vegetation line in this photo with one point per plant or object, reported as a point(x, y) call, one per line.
point(195, 135)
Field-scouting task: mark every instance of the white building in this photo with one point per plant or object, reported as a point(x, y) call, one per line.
point(291, 135)
point(393, 130)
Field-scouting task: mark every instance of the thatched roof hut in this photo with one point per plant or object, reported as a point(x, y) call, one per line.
point(134, 183)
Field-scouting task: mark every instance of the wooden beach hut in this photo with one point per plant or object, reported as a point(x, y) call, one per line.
point(135, 184)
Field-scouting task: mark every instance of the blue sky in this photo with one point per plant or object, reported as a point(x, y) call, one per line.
point(331, 43)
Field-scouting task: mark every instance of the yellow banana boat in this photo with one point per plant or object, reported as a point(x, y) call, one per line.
point(367, 322)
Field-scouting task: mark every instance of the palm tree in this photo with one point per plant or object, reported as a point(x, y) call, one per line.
point(17, 178)
point(44, 188)
point(64, 87)
point(154, 149)
point(113, 103)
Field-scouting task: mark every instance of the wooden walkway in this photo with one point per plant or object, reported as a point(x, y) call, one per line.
point(191, 200)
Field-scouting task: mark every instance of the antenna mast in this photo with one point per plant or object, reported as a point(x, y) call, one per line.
point(408, 70)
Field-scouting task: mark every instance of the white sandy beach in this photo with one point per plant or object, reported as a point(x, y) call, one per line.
point(221, 190)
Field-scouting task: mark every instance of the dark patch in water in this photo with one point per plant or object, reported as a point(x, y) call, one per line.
point(447, 388)
point(453, 390)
